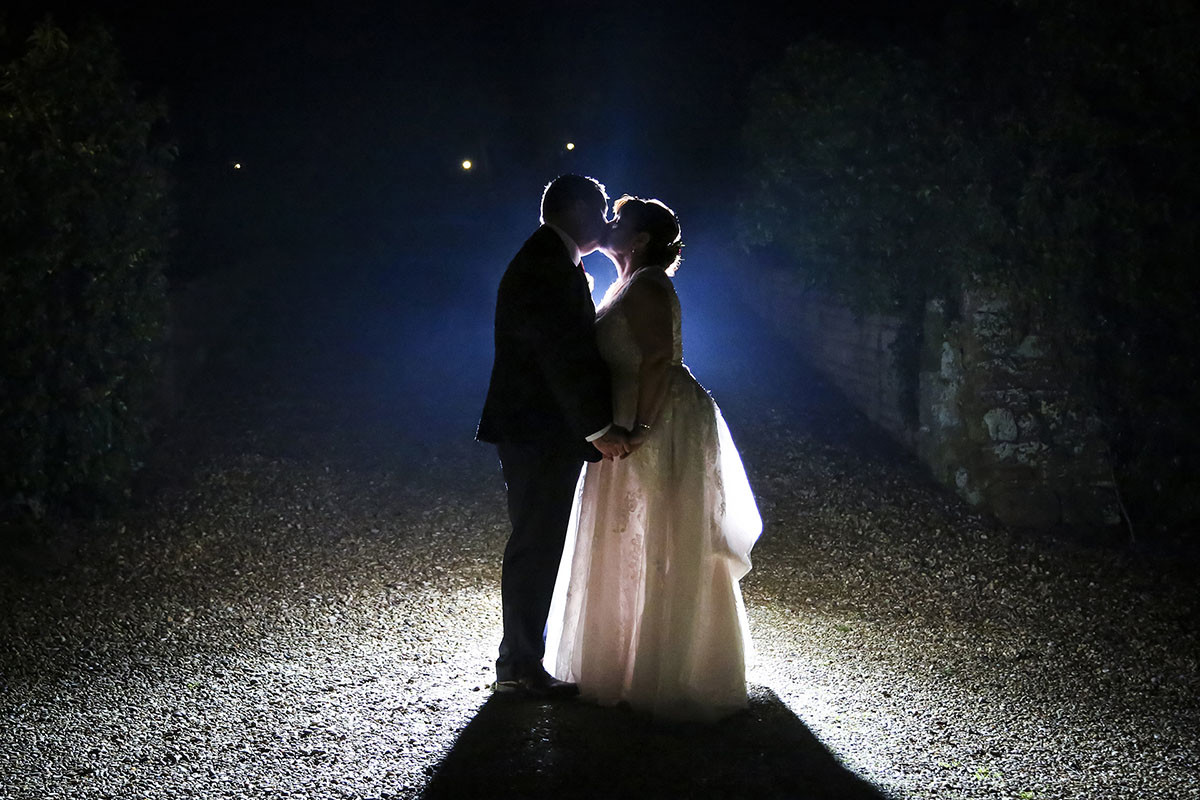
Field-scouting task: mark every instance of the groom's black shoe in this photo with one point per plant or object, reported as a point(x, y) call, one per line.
point(539, 685)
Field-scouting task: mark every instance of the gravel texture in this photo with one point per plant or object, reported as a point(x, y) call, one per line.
point(306, 606)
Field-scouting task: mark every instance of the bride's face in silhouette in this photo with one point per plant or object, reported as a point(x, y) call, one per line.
point(622, 239)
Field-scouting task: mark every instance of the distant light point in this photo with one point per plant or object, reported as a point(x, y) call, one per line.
point(237, 165)
point(570, 145)
point(466, 165)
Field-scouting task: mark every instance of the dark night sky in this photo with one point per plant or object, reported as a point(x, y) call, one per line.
point(373, 105)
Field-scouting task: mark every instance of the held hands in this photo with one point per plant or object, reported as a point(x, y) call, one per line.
point(613, 444)
point(637, 436)
point(620, 443)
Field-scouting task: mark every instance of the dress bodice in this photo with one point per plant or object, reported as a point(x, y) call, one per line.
point(620, 351)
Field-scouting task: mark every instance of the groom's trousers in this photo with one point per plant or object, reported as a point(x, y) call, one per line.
point(541, 487)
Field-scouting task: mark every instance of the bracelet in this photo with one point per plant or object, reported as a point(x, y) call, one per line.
point(641, 425)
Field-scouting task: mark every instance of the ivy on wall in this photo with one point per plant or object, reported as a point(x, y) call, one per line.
point(1042, 148)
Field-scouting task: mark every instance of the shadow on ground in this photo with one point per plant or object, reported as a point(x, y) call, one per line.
point(514, 748)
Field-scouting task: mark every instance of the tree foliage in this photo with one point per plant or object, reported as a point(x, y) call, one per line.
point(1045, 146)
point(84, 223)
point(859, 172)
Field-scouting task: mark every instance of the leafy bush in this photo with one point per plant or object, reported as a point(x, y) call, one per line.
point(84, 222)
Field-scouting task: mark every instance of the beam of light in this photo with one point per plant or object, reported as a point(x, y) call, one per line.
point(466, 165)
point(570, 145)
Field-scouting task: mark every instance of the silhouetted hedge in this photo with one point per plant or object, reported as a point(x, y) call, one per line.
point(84, 223)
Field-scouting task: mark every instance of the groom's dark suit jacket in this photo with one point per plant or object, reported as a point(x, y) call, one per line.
point(549, 384)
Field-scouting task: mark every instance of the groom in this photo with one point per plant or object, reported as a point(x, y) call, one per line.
point(548, 409)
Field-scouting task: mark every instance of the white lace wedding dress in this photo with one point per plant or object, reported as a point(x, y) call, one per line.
point(647, 608)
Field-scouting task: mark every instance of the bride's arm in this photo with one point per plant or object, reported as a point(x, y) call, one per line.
point(648, 310)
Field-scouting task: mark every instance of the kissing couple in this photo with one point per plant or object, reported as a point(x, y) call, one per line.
point(620, 581)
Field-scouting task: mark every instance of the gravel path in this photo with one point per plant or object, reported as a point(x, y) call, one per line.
point(307, 607)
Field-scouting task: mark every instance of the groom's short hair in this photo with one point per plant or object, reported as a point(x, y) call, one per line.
point(565, 191)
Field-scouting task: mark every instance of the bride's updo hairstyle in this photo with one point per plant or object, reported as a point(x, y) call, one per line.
point(665, 248)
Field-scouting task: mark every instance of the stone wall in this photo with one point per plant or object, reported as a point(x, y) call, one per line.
point(991, 409)
point(855, 352)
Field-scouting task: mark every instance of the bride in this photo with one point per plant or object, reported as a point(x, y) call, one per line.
point(647, 608)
